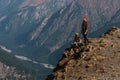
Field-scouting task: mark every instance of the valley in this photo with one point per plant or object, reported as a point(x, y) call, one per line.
point(40, 30)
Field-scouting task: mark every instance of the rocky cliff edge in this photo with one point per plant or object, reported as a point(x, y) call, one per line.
point(99, 60)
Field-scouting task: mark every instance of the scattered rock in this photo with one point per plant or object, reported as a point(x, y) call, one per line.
point(103, 44)
point(112, 45)
point(100, 58)
point(63, 61)
point(100, 70)
point(117, 53)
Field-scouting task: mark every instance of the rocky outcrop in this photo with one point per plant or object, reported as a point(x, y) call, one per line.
point(99, 60)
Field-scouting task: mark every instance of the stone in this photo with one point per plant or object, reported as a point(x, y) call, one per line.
point(62, 62)
point(103, 44)
point(100, 58)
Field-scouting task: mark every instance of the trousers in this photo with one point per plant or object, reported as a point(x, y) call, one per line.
point(86, 41)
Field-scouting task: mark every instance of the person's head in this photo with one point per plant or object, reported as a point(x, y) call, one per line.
point(76, 34)
point(85, 18)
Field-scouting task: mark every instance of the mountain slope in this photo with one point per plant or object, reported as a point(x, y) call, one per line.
point(14, 68)
point(11, 68)
point(37, 28)
point(97, 61)
point(115, 20)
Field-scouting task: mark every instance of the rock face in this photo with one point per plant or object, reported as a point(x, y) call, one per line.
point(97, 61)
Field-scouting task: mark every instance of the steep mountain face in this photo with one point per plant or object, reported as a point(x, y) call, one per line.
point(37, 28)
point(23, 27)
point(96, 61)
point(115, 20)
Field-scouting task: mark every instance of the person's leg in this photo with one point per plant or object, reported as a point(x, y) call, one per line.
point(84, 36)
point(86, 41)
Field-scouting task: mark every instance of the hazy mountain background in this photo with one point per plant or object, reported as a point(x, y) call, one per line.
point(42, 29)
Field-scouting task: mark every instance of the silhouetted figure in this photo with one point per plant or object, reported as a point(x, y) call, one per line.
point(77, 46)
point(77, 40)
point(84, 30)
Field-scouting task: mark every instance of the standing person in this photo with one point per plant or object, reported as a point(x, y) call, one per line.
point(84, 30)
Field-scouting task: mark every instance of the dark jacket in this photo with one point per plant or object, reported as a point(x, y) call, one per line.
point(84, 27)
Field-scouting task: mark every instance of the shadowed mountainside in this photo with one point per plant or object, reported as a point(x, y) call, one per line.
point(38, 28)
point(97, 61)
point(13, 68)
